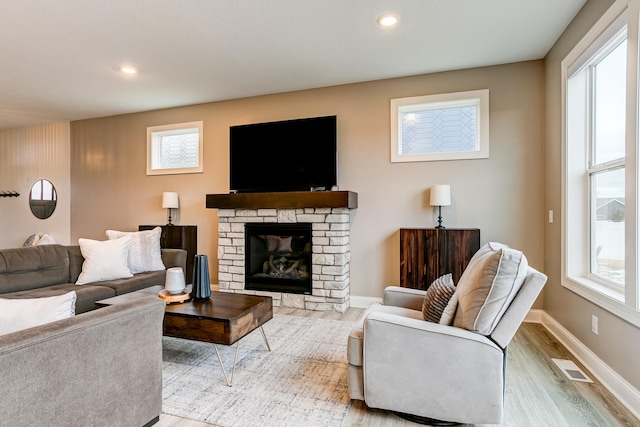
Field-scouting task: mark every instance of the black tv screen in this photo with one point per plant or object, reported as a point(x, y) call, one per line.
point(291, 155)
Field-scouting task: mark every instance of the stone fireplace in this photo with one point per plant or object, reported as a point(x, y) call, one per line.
point(326, 214)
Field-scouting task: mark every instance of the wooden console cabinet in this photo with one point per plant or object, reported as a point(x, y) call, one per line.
point(428, 253)
point(179, 237)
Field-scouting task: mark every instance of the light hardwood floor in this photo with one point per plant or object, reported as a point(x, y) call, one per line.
point(538, 393)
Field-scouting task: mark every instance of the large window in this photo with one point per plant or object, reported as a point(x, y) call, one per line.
point(600, 169)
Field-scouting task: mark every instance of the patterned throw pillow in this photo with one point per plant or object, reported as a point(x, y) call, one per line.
point(144, 252)
point(437, 298)
point(31, 241)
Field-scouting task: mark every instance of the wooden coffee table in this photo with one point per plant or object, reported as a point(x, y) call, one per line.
point(224, 318)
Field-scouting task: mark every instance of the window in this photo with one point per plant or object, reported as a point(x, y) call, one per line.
point(440, 127)
point(600, 170)
point(174, 149)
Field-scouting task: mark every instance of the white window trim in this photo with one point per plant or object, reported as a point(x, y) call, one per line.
point(474, 97)
point(151, 149)
point(573, 277)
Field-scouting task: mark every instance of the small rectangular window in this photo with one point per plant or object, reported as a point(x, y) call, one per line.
point(174, 149)
point(440, 127)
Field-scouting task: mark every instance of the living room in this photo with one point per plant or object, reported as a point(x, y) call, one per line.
point(98, 167)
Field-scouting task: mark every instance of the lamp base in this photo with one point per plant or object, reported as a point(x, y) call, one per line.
point(440, 226)
point(169, 215)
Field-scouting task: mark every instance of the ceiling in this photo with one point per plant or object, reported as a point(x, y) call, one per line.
point(60, 58)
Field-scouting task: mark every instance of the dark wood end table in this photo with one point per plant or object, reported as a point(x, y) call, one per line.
point(225, 318)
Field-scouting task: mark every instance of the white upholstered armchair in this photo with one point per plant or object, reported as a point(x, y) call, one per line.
point(454, 370)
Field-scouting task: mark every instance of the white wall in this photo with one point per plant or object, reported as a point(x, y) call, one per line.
point(26, 155)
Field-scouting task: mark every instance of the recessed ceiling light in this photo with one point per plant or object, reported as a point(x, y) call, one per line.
point(126, 69)
point(387, 21)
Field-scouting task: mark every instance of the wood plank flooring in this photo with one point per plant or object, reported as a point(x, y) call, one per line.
point(538, 393)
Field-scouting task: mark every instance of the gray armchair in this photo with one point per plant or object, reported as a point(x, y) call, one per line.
point(428, 371)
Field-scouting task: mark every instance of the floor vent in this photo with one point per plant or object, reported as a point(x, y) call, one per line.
point(571, 370)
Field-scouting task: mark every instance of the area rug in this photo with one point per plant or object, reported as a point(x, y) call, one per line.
point(302, 381)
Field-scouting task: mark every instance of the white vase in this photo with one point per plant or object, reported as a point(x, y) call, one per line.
point(174, 281)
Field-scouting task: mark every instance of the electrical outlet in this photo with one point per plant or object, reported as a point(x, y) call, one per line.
point(594, 324)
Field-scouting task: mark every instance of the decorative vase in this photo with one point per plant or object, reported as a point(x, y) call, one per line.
point(201, 281)
point(174, 280)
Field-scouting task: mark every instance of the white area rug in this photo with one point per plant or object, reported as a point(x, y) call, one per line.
point(302, 381)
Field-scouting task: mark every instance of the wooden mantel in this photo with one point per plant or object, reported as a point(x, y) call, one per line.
point(284, 200)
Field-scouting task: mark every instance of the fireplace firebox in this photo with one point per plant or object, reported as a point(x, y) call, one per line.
point(278, 257)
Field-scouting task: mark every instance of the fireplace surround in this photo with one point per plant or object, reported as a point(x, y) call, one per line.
point(328, 214)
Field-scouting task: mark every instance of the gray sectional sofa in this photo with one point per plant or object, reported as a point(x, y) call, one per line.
point(50, 270)
point(102, 367)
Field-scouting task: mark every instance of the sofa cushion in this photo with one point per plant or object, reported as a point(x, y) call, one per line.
point(33, 267)
point(488, 285)
point(104, 260)
point(135, 283)
point(144, 251)
point(86, 295)
point(18, 314)
point(437, 297)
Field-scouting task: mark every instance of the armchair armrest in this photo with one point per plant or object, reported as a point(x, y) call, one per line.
point(424, 368)
point(403, 297)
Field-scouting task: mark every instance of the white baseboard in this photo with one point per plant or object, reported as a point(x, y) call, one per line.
point(628, 395)
point(534, 316)
point(363, 302)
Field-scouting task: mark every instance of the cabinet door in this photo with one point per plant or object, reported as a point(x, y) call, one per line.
point(413, 258)
point(459, 247)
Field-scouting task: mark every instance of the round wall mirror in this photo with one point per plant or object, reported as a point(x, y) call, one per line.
point(42, 199)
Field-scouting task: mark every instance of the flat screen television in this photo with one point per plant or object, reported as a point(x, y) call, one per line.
point(290, 155)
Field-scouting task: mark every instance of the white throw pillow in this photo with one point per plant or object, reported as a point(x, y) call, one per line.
point(46, 239)
point(18, 314)
point(104, 260)
point(144, 252)
point(491, 280)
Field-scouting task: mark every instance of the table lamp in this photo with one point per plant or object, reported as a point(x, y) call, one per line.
point(440, 196)
point(170, 201)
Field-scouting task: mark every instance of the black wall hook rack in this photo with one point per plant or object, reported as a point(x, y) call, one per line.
point(9, 194)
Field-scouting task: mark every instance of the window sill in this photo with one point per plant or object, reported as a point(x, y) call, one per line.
point(604, 297)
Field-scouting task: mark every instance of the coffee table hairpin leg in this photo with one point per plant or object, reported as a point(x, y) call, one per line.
point(235, 357)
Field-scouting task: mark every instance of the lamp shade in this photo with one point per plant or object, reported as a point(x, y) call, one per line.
point(440, 195)
point(170, 200)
